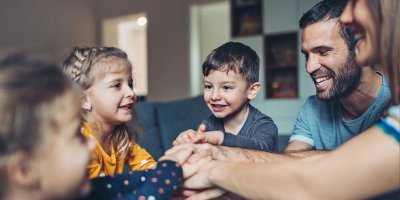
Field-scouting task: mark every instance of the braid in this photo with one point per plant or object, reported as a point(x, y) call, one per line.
point(77, 67)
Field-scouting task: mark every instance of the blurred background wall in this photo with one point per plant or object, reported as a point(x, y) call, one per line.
point(180, 33)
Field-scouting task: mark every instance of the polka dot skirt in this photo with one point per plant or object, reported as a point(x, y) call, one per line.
point(159, 183)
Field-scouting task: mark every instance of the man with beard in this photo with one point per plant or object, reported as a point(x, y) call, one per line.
point(348, 99)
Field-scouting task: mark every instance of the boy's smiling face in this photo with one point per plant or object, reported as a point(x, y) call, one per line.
point(226, 93)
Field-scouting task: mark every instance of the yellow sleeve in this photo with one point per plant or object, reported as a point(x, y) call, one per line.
point(140, 159)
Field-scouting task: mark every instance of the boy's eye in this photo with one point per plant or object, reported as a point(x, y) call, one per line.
point(207, 86)
point(228, 87)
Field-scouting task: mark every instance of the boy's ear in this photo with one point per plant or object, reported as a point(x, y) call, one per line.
point(253, 90)
point(20, 170)
point(86, 104)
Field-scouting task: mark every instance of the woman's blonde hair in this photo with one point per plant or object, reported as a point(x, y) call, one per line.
point(84, 65)
point(388, 17)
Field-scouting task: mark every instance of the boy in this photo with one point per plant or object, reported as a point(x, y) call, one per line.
point(230, 83)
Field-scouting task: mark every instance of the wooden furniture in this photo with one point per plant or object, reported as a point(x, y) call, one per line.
point(246, 17)
point(281, 67)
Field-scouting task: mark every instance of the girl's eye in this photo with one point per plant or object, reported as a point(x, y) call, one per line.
point(118, 85)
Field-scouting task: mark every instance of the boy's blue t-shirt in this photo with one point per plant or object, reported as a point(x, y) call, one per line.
point(258, 132)
point(321, 123)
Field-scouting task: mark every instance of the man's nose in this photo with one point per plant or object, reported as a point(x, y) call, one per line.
point(312, 64)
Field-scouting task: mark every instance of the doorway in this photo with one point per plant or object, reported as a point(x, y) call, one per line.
point(209, 28)
point(129, 33)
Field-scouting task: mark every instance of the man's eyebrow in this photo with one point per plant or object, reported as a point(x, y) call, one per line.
point(321, 47)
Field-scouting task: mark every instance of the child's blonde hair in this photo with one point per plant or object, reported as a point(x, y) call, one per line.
point(30, 91)
point(84, 66)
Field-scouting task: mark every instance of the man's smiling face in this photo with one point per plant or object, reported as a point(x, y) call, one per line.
point(328, 60)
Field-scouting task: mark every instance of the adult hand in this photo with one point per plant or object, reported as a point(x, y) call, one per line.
point(179, 156)
point(189, 169)
point(220, 153)
point(199, 150)
point(200, 180)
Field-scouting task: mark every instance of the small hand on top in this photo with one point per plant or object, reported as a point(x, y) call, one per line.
point(199, 136)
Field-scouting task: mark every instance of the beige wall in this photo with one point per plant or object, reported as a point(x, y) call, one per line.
point(58, 25)
point(168, 43)
point(48, 25)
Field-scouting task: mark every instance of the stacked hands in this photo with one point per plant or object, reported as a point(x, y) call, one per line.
point(199, 136)
point(196, 161)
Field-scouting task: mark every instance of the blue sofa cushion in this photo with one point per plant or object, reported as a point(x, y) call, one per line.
point(177, 116)
point(151, 139)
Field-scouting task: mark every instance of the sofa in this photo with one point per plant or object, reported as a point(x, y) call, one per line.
point(163, 121)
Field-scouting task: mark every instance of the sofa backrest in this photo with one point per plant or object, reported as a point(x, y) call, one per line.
point(163, 121)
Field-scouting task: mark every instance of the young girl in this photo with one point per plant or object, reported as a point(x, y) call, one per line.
point(42, 153)
point(105, 74)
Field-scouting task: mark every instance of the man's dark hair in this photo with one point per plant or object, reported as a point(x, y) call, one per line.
point(327, 10)
point(234, 56)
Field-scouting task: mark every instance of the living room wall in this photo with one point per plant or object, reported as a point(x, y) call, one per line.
point(55, 26)
point(49, 26)
point(168, 43)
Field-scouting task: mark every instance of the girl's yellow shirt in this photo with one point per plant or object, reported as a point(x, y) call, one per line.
point(103, 163)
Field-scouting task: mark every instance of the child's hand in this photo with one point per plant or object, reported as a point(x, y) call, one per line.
point(202, 128)
point(211, 137)
point(192, 137)
point(185, 137)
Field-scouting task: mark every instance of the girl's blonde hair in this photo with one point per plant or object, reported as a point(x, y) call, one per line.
point(30, 91)
point(85, 65)
point(389, 18)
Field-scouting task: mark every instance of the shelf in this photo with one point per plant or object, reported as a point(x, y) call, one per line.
point(281, 68)
point(245, 3)
point(246, 17)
